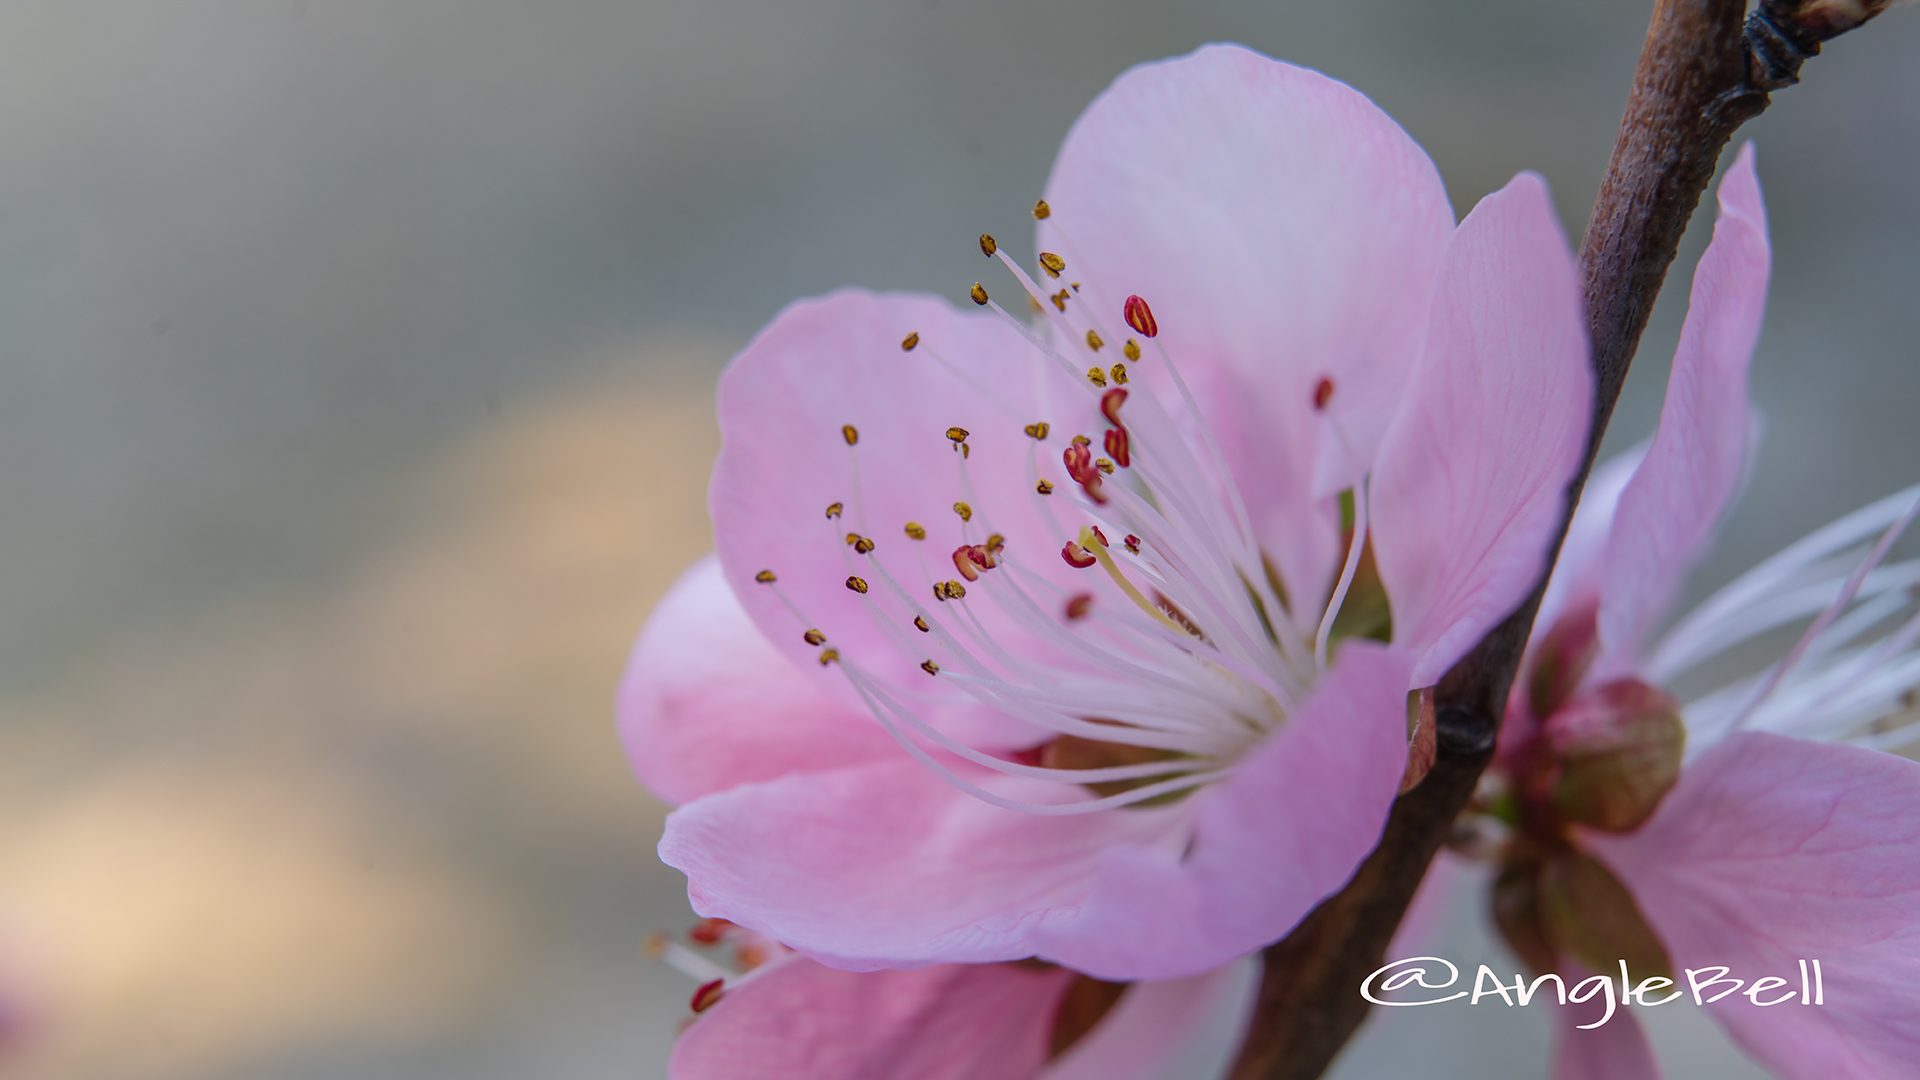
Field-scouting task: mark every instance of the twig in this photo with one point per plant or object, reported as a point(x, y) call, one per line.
point(1703, 71)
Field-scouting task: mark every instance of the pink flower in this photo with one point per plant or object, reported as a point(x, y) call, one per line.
point(1766, 849)
point(1145, 705)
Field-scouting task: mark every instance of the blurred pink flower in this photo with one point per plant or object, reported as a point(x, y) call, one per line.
point(1187, 617)
point(1770, 847)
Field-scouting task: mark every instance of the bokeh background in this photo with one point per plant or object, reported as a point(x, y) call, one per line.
point(355, 374)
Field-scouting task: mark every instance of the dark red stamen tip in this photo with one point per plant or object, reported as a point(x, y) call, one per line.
point(1078, 605)
point(1077, 556)
point(1322, 394)
point(706, 997)
point(1119, 447)
point(1140, 317)
point(1110, 403)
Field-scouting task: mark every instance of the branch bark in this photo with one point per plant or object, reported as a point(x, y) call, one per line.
point(1703, 71)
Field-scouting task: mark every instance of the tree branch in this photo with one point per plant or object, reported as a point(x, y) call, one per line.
point(1703, 71)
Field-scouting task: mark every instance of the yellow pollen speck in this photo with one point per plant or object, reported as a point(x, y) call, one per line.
point(979, 294)
point(1082, 440)
point(852, 539)
point(828, 656)
point(995, 543)
point(815, 637)
point(956, 434)
point(857, 584)
point(988, 245)
point(863, 545)
point(965, 451)
point(1093, 340)
point(939, 590)
point(1119, 374)
point(764, 577)
point(1076, 285)
point(834, 509)
point(1043, 487)
point(1132, 349)
point(907, 343)
point(1052, 263)
point(929, 667)
point(916, 531)
point(850, 433)
point(1096, 376)
point(965, 511)
point(1038, 431)
point(954, 590)
point(920, 624)
point(1060, 299)
point(1041, 211)
point(1103, 465)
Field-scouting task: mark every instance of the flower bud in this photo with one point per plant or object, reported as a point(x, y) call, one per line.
point(1619, 751)
point(1587, 914)
point(1560, 659)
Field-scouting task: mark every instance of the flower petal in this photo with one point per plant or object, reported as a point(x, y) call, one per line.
point(884, 864)
point(1471, 481)
point(1617, 1048)
point(1284, 230)
point(798, 1019)
point(1668, 512)
point(1168, 1030)
point(825, 364)
point(1283, 833)
point(1772, 850)
point(708, 703)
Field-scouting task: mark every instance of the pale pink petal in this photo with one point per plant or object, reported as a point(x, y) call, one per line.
point(1774, 850)
point(1617, 1048)
point(884, 865)
point(1471, 481)
point(798, 1020)
point(1283, 833)
point(1169, 1030)
point(836, 361)
point(1578, 572)
point(1668, 512)
point(1283, 229)
point(707, 702)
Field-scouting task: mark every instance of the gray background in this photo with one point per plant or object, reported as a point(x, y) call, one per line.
point(355, 362)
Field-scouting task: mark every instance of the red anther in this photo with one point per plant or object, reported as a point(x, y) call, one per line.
point(963, 562)
point(1140, 317)
point(1322, 394)
point(708, 994)
point(1100, 536)
point(1133, 543)
point(1110, 403)
point(982, 557)
point(1079, 462)
point(1078, 605)
point(750, 956)
point(1118, 447)
point(709, 931)
point(1077, 556)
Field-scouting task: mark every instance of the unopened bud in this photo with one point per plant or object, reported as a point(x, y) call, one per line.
point(1619, 753)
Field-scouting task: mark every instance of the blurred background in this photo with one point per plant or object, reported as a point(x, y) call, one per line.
point(355, 375)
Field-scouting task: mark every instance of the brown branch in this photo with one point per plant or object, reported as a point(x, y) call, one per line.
point(1703, 71)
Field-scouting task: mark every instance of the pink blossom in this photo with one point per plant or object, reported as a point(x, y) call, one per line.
point(1144, 703)
point(1771, 846)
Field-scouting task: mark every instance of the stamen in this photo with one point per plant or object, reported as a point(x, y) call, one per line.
point(834, 510)
point(857, 584)
point(1052, 264)
point(1140, 317)
point(907, 343)
point(814, 637)
point(916, 531)
point(850, 433)
point(988, 245)
point(1041, 211)
point(979, 294)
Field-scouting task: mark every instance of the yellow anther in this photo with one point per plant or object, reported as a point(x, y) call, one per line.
point(907, 343)
point(815, 637)
point(995, 543)
point(1103, 465)
point(857, 584)
point(852, 539)
point(1038, 431)
point(864, 545)
point(916, 531)
point(1118, 374)
point(1041, 211)
point(1093, 340)
point(956, 435)
point(850, 433)
point(954, 590)
point(1060, 299)
point(1075, 285)
point(834, 509)
point(988, 245)
point(965, 511)
point(1052, 263)
point(1132, 349)
point(1043, 487)
point(929, 667)
point(940, 590)
point(965, 451)
point(764, 577)
point(979, 294)
point(920, 624)
point(1082, 440)
point(1096, 376)
point(828, 656)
